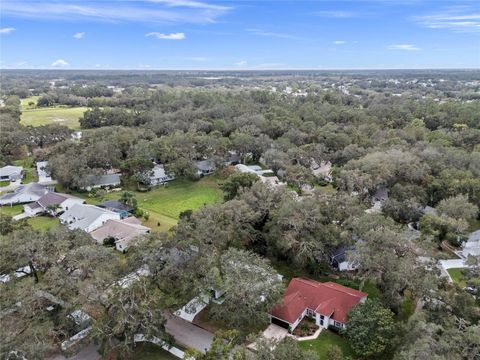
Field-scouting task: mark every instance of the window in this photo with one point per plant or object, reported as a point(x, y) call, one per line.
point(338, 324)
point(322, 317)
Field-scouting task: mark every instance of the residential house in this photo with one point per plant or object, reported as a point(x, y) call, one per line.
point(158, 175)
point(205, 167)
point(45, 203)
point(377, 199)
point(122, 231)
point(87, 217)
point(470, 248)
point(43, 175)
point(11, 173)
point(266, 176)
point(24, 194)
point(327, 303)
point(118, 207)
point(322, 170)
point(233, 158)
point(102, 181)
point(339, 259)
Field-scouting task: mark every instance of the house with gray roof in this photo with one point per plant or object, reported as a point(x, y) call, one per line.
point(24, 194)
point(158, 176)
point(205, 167)
point(11, 173)
point(101, 181)
point(49, 201)
point(87, 217)
point(122, 231)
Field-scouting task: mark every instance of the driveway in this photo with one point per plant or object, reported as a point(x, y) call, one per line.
point(89, 352)
point(188, 334)
point(273, 332)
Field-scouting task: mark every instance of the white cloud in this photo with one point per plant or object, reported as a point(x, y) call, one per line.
point(336, 14)
point(171, 11)
point(79, 35)
point(172, 36)
point(6, 30)
point(59, 63)
point(460, 19)
point(241, 63)
point(260, 32)
point(405, 47)
point(339, 42)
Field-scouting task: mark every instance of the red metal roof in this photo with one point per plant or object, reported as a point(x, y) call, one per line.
point(329, 299)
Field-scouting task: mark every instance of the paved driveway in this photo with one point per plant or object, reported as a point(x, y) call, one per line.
point(188, 334)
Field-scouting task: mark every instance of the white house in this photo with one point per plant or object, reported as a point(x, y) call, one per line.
point(158, 175)
point(11, 173)
point(63, 201)
point(24, 194)
point(265, 176)
point(87, 217)
point(328, 303)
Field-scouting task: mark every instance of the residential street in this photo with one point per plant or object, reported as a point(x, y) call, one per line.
point(188, 334)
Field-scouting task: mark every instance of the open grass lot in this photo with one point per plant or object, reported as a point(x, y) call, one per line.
point(67, 116)
point(457, 276)
point(164, 204)
point(322, 344)
point(25, 103)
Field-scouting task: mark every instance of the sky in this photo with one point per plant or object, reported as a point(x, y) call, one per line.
point(239, 35)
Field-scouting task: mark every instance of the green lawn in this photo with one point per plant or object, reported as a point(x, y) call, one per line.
point(25, 102)
point(322, 344)
point(457, 276)
point(11, 210)
point(4, 183)
point(164, 204)
point(153, 352)
point(29, 168)
point(43, 223)
point(67, 116)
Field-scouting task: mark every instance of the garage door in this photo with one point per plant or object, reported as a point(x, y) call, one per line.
point(281, 323)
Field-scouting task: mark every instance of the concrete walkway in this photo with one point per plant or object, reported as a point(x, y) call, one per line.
point(188, 334)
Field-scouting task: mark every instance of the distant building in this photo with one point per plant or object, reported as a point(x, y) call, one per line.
point(11, 173)
point(24, 194)
point(158, 176)
point(101, 181)
point(205, 167)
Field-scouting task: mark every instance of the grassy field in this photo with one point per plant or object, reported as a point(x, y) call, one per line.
point(43, 223)
point(25, 103)
point(11, 210)
point(457, 276)
point(164, 204)
point(322, 344)
point(67, 116)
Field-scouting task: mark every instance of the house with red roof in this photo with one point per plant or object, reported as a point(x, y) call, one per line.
point(328, 303)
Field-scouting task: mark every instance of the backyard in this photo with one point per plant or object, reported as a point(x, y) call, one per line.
point(165, 203)
point(43, 223)
point(322, 344)
point(457, 276)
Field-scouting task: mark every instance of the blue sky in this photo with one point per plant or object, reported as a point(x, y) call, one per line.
point(197, 34)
